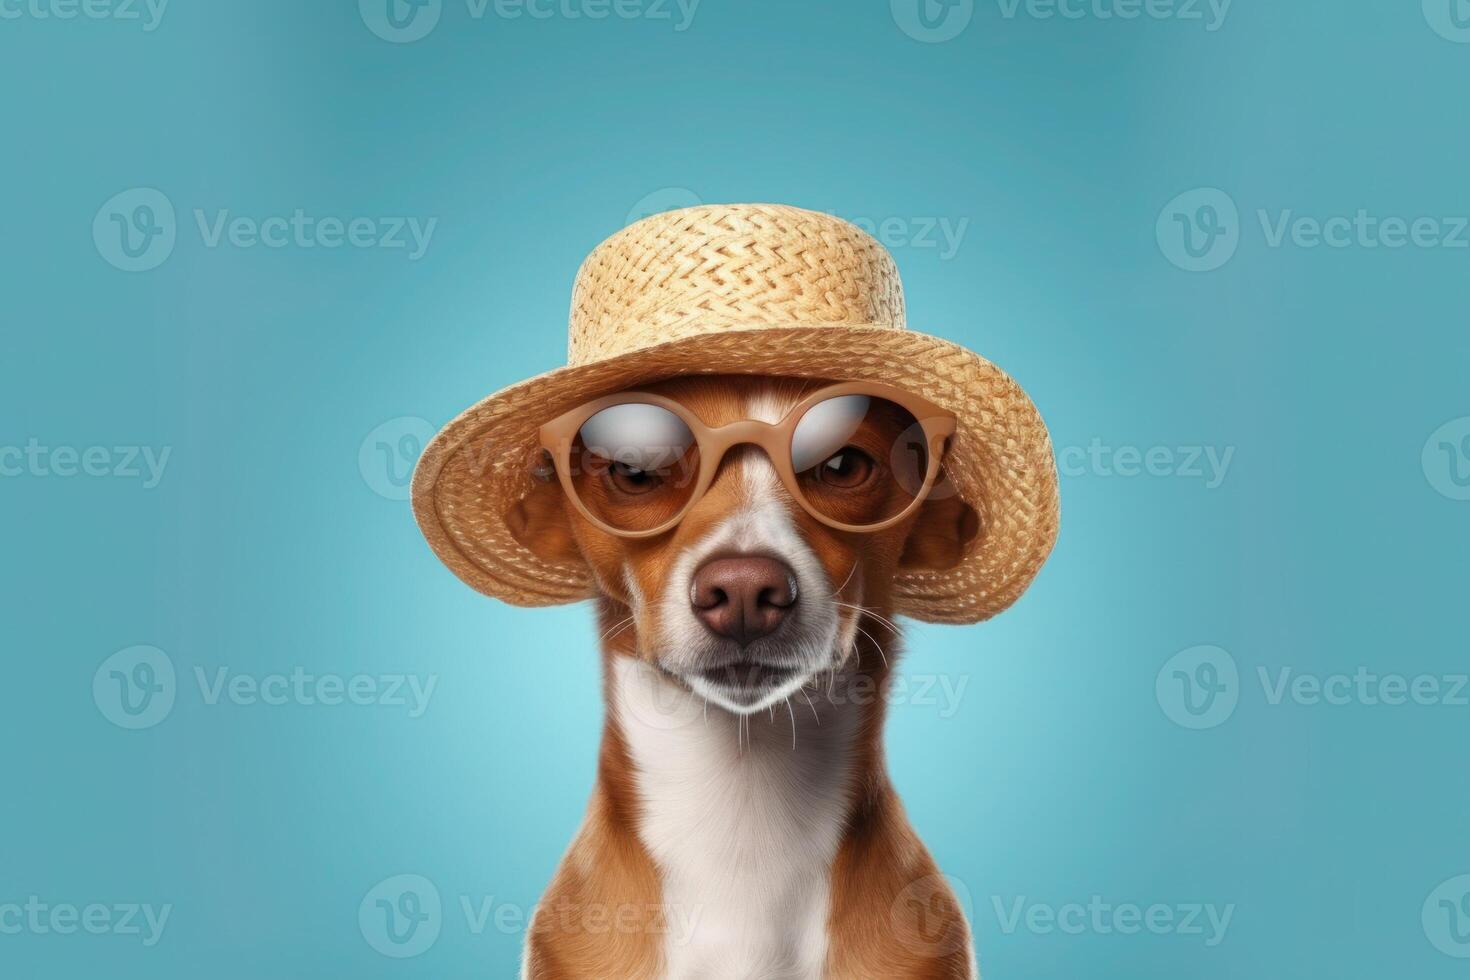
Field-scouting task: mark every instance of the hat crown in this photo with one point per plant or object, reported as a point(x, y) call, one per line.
point(719, 267)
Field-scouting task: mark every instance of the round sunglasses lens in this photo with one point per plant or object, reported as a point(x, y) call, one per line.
point(634, 466)
point(860, 460)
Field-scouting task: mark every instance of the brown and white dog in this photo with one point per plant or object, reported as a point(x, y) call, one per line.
point(743, 824)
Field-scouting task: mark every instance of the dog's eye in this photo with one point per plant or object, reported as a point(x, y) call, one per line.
point(845, 469)
point(630, 479)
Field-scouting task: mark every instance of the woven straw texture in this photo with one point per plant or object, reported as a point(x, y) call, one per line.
point(747, 289)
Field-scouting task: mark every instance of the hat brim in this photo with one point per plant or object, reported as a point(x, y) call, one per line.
point(1001, 461)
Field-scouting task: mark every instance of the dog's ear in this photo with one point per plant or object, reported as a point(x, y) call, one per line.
point(940, 534)
point(540, 522)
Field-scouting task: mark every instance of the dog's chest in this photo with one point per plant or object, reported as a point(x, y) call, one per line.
point(742, 826)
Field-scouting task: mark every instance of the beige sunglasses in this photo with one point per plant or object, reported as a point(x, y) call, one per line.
point(856, 456)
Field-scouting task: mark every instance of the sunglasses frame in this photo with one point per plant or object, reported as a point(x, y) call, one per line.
point(714, 442)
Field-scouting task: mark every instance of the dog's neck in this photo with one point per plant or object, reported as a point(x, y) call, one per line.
point(743, 816)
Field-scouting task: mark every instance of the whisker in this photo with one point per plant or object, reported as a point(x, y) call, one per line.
point(876, 645)
point(790, 711)
point(868, 612)
point(625, 627)
point(618, 625)
point(807, 697)
point(850, 574)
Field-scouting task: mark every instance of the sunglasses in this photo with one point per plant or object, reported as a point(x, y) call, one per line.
point(856, 456)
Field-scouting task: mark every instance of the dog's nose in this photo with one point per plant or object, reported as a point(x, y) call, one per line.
point(743, 598)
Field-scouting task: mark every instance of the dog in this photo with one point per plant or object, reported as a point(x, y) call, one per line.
point(736, 840)
point(751, 468)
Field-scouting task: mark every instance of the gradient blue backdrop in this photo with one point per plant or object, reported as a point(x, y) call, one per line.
point(1329, 545)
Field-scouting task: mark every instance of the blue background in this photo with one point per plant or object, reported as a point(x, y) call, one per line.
point(1061, 776)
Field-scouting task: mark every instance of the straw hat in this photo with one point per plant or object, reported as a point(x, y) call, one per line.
point(747, 289)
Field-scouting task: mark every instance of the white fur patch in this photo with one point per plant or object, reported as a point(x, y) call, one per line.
point(742, 826)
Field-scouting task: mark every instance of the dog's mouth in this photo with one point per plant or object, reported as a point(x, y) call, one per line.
point(747, 676)
point(745, 685)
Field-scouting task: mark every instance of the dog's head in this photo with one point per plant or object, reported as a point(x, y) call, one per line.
point(749, 596)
